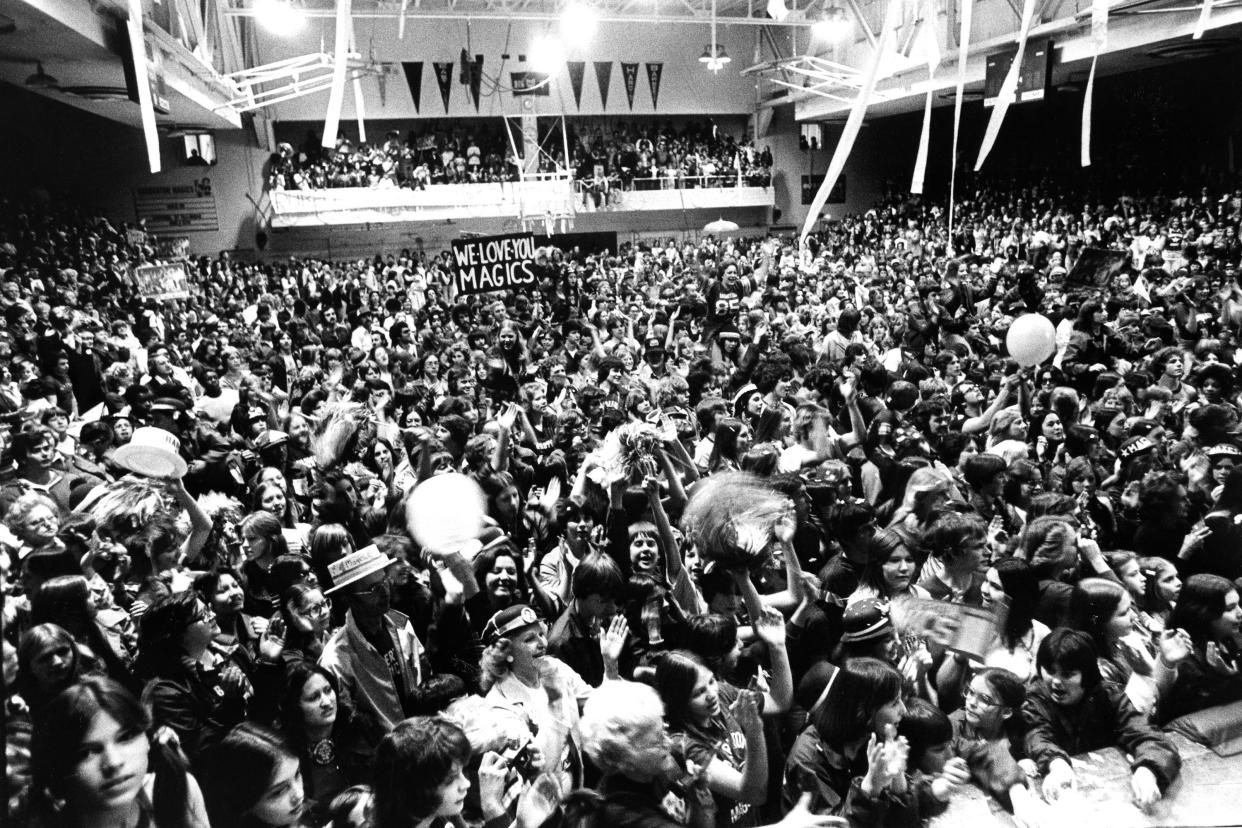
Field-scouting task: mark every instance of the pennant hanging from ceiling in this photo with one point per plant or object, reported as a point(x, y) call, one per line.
point(476, 79)
point(629, 74)
point(444, 77)
point(1099, 39)
point(654, 72)
point(577, 70)
point(932, 47)
point(603, 74)
point(854, 123)
point(963, 48)
point(1009, 88)
point(414, 80)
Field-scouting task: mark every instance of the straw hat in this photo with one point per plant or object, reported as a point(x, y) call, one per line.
point(152, 452)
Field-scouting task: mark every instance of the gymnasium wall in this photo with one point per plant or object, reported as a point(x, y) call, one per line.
point(685, 85)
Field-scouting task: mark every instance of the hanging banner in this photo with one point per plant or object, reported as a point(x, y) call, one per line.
point(932, 47)
point(476, 79)
point(1099, 40)
point(1009, 88)
point(654, 72)
point(529, 83)
point(414, 80)
point(577, 70)
point(603, 74)
point(854, 123)
point(444, 77)
point(963, 47)
point(489, 263)
point(629, 74)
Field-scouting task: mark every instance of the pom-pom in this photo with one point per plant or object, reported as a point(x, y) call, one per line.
point(731, 517)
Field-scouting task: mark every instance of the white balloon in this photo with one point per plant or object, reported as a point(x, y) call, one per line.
point(446, 512)
point(1031, 339)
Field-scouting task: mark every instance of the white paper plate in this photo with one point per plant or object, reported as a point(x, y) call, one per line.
point(150, 461)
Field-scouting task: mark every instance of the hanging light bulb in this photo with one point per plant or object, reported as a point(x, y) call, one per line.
point(834, 26)
point(278, 16)
point(578, 23)
point(777, 10)
point(547, 54)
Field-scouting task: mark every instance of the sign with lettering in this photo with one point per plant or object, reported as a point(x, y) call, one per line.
point(166, 281)
point(175, 209)
point(490, 263)
point(530, 83)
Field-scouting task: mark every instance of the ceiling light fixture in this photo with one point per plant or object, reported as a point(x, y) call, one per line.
point(834, 26)
point(41, 79)
point(777, 10)
point(715, 61)
point(578, 23)
point(278, 16)
point(547, 54)
point(714, 56)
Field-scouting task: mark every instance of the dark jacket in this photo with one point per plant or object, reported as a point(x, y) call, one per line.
point(835, 785)
point(1105, 718)
point(1199, 685)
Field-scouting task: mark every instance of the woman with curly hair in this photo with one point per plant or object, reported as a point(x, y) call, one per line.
point(520, 678)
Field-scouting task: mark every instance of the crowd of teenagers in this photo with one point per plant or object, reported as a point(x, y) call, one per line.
point(676, 538)
point(604, 155)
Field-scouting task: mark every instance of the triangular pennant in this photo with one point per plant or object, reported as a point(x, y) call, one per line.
point(476, 79)
point(414, 79)
point(444, 78)
point(603, 74)
point(577, 70)
point(629, 74)
point(654, 72)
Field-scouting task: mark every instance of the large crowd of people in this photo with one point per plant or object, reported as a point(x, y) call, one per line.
point(603, 156)
point(685, 535)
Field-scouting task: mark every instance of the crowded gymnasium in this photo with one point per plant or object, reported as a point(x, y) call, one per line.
point(507, 414)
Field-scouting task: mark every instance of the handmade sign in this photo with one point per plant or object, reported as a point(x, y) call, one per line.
point(491, 263)
point(166, 281)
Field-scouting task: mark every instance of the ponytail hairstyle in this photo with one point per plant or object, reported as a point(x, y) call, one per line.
point(411, 763)
point(57, 741)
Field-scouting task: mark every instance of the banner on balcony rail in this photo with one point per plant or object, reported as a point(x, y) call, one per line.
point(166, 281)
point(489, 263)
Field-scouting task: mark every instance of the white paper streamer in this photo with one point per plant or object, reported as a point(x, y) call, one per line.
point(146, 108)
point(854, 123)
point(359, 109)
point(1009, 88)
point(1099, 40)
point(336, 97)
point(933, 61)
point(1204, 14)
point(963, 47)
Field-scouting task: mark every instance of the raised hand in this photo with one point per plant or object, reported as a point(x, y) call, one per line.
point(770, 627)
point(272, 642)
point(612, 640)
point(746, 710)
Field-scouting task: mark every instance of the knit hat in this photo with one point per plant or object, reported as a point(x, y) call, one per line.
point(1134, 447)
point(866, 620)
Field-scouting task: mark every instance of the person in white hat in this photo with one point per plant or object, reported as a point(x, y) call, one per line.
point(376, 656)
